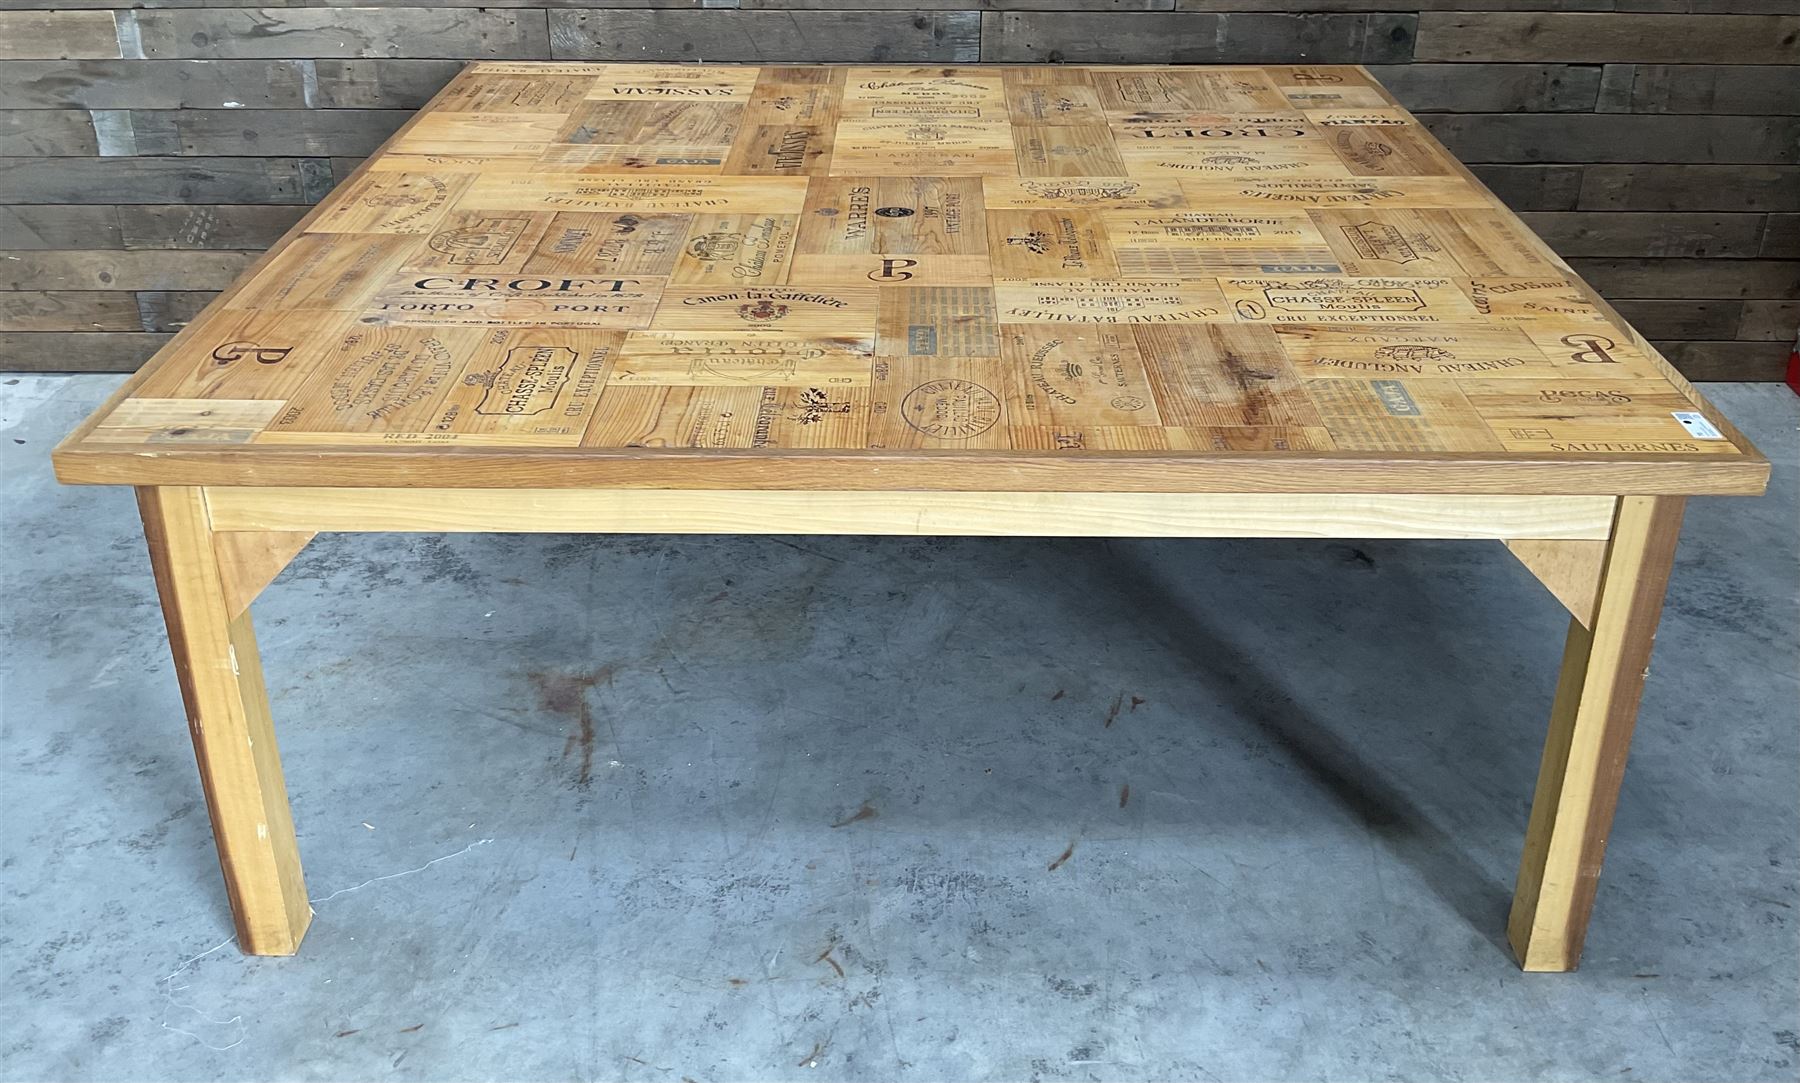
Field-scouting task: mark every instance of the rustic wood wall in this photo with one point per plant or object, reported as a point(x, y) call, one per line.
point(148, 152)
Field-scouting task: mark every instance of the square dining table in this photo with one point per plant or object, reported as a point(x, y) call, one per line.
point(1142, 301)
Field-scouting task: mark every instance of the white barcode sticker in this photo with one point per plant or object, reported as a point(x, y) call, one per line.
point(1697, 426)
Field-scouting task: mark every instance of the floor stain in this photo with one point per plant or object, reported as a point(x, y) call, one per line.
point(1112, 713)
point(1062, 857)
point(867, 812)
point(1059, 694)
point(565, 694)
point(811, 1060)
point(1071, 990)
point(1138, 701)
point(1124, 794)
point(825, 957)
point(415, 1027)
point(347, 1033)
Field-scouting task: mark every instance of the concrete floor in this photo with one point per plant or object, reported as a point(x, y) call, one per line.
point(841, 808)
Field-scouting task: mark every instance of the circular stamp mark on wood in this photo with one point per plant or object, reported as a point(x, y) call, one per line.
point(950, 409)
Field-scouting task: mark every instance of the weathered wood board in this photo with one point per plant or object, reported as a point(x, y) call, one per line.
point(651, 258)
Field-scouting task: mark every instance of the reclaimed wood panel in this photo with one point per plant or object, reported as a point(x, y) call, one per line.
point(620, 261)
point(57, 35)
point(203, 226)
point(1781, 237)
point(241, 33)
point(68, 310)
point(951, 5)
point(77, 351)
point(24, 227)
point(264, 132)
point(1645, 233)
point(1690, 188)
point(767, 36)
point(154, 84)
point(1533, 187)
point(1691, 277)
point(379, 84)
point(1768, 89)
point(1764, 362)
point(1387, 5)
point(1765, 321)
point(1665, 320)
point(145, 226)
point(163, 180)
point(1594, 37)
point(1605, 137)
point(1495, 88)
point(49, 132)
point(91, 270)
point(1192, 37)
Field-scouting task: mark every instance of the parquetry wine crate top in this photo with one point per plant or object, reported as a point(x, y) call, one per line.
point(649, 274)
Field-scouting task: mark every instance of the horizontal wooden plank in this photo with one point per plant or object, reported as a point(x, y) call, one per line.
point(379, 84)
point(1769, 321)
point(1649, 233)
point(203, 226)
point(167, 225)
point(1758, 362)
point(146, 270)
point(68, 310)
point(1193, 37)
point(1708, 7)
point(1781, 237)
point(720, 511)
point(341, 32)
point(153, 84)
point(1390, 5)
point(26, 132)
point(1690, 188)
point(1772, 89)
point(768, 36)
point(1677, 319)
point(151, 4)
point(100, 310)
point(1603, 137)
point(1532, 187)
point(164, 180)
point(1745, 278)
point(320, 132)
point(77, 351)
point(171, 310)
point(24, 227)
point(950, 5)
point(57, 35)
point(1591, 37)
point(1492, 88)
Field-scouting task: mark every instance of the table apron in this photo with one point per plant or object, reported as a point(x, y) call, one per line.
point(919, 513)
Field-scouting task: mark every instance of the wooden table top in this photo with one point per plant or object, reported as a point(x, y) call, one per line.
point(1081, 278)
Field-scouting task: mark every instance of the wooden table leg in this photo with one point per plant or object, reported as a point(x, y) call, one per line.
point(228, 716)
point(1590, 732)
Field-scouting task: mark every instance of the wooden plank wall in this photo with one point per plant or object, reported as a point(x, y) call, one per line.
point(147, 152)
